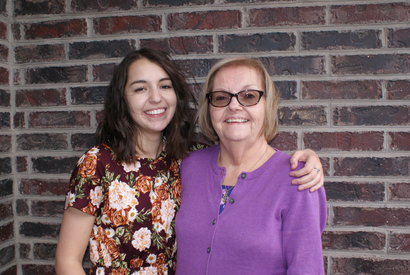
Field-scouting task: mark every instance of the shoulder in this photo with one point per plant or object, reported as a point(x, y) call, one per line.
point(199, 157)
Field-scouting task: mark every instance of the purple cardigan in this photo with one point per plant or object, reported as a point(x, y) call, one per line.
point(267, 226)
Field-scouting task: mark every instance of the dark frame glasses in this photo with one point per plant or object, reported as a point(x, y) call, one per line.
point(245, 98)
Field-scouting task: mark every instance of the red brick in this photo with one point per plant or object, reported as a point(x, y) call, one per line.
point(103, 72)
point(10, 271)
point(286, 89)
point(181, 45)
point(373, 167)
point(5, 143)
point(285, 141)
point(260, 42)
point(21, 164)
point(367, 216)
point(399, 38)
point(88, 95)
point(62, 119)
point(354, 191)
point(5, 166)
point(127, 24)
point(7, 255)
point(4, 98)
point(22, 207)
point(39, 53)
point(47, 208)
point(370, 64)
point(195, 67)
point(99, 115)
point(4, 76)
point(355, 89)
point(28, 7)
point(6, 210)
point(43, 187)
point(371, 115)
point(399, 141)
point(4, 120)
point(54, 165)
point(399, 191)
point(98, 5)
point(159, 3)
point(15, 29)
point(24, 249)
point(295, 65)
point(205, 20)
point(43, 141)
point(100, 49)
point(82, 142)
point(303, 115)
point(6, 231)
point(44, 251)
point(19, 121)
point(374, 266)
point(353, 240)
point(367, 14)
point(344, 141)
point(267, 17)
point(41, 97)
point(39, 230)
point(55, 29)
point(3, 30)
point(399, 242)
point(398, 89)
point(6, 187)
point(4, 53)
point(71, 74)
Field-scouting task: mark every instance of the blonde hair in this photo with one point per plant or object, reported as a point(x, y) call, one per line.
point(270, 124)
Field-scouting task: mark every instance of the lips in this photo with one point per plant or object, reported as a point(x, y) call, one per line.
point(237, 120)
point(155, 112)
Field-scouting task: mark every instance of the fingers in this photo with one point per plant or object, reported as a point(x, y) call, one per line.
point(310, 181)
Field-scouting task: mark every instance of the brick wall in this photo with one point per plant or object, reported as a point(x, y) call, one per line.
point(342, 68)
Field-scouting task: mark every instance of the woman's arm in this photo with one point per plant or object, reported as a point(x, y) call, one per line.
point(312, 172)
point(75, 233)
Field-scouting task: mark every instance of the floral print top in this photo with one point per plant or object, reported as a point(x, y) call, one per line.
point(134, 205)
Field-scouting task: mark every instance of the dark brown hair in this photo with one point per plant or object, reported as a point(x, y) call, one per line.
point(119, 131)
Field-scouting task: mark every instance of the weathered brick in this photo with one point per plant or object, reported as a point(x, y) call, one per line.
point(341, 40)
point(294, 65)
point(354, 191)
point(28, 7)
point(88, 95)
point(39, 53)
point(367, 216)
point(261, 42)
point(55, 29)
point(4, 98)
point(3, 9)
point(44, 251)
point(4, 120)
point(286, 89)
point(399, 242)
point(54, 165)
point(22, 207)
point(100, 49)
point(285, 141)
point(10, 271)
point(103, 72)
point(371, 115)
point(127, 24)
point(3, 30)
point(6, 231)
point(44, 187)
point(4, 53)
point(374, 266)
point(63, 119)
point(70, 74)
point(5, 143)
point(195, 67)
point(19, 120)
point(353, 240)
point(99, 115)
point(303, 115)
point(6, 187)
point(181, 45)
point(367, 14)
point(42, 142)
point(47, 208)
point(373, 167)
point(399, 141)
point(399, 191)
point(155, 3)
point(41, 97)
point(355, 89)
point(39, 230)
point(204, 20)
point(15, 29)
point(103, 5)
point(344, 141)
point(4, 76)
point(371, 64)
point(24, 249)
point(267, 17)
point(7, 255)
point(5, 166)
point(6, 211)
point(399, 38)
point(21, 162)
point(82, 142)
point(398, 89)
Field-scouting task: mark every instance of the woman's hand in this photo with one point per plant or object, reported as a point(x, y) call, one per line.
point(312, 172)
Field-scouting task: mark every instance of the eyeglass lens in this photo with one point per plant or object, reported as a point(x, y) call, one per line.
point(246, 98)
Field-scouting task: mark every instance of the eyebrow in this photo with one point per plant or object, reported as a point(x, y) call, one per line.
point(144, 81)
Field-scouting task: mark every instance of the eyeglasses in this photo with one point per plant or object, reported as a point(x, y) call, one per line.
point(245, 98)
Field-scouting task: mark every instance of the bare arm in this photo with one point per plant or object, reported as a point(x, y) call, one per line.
point(73, 240)
point(311, 175)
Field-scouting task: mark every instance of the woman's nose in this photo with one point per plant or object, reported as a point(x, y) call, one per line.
point(234, 104)
point(154, 95)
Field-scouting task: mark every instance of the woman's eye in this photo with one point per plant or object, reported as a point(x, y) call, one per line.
point(249, 95)
point(139, 89)
point(166, 87)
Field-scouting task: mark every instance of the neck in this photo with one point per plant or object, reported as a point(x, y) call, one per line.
point(149, 146)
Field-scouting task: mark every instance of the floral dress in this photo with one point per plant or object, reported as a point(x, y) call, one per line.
point(134, 205)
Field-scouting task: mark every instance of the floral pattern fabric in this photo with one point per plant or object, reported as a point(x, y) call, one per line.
point(134, 205)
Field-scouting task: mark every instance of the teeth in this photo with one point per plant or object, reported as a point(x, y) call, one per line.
point(155, 112)
point(236, 120)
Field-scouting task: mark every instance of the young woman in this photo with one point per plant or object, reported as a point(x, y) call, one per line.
point(124, 192)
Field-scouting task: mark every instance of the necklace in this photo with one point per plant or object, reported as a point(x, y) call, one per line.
point(225, 196)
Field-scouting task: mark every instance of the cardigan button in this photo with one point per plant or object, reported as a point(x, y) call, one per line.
point(213, 222)
point(243, 175)
point(208, 250)
point(231, 201)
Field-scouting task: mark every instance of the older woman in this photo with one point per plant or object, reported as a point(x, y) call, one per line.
point(238, 215)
